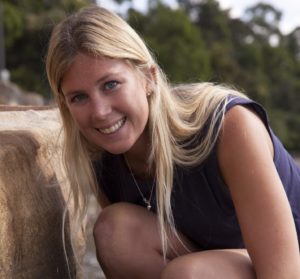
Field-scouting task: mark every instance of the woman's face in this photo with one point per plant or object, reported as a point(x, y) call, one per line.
point(108, 101)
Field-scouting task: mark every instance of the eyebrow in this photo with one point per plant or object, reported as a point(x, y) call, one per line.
point(71, 93)
point(101, 79)
point(106, 76)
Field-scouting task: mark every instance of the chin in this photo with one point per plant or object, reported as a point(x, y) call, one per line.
point(117, 150)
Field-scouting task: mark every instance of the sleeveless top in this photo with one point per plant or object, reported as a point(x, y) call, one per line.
point(202, 207)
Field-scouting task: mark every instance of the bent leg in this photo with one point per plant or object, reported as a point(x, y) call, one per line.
point(212, 264)
point(128, 242)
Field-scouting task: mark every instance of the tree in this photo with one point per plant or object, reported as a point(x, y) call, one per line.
point(292, 42)
point(214, 25)
point(264, 21)
point(27, 25)
point(175, 41)
point(12, 21)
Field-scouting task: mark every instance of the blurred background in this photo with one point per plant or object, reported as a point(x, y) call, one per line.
point(249, 47)
point(204, 40)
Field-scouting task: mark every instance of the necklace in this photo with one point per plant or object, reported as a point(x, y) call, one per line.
point(146, 201)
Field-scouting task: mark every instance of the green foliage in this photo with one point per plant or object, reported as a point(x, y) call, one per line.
point(252, 54)
point(27, 28)
point(286, 125)
point(175, 41)
point(13, 23)
point(213, 22)
point(264, 20)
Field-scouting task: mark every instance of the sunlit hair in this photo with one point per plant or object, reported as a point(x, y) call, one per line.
point(176, 115)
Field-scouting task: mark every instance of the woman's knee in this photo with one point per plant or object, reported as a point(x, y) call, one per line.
point(124, 235)
point(112, 220)
point(179, 268)
point(121, 225)
point(227, 264)
point(112, 233)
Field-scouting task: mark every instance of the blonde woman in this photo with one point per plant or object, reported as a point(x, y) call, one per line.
point(192, 181)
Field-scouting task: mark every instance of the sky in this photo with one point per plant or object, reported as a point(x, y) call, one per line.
point(290, 9)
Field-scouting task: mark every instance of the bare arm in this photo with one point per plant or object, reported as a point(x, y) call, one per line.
point(245, 154)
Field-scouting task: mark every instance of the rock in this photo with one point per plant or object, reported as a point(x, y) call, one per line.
point(33, 194)
point(11, 94)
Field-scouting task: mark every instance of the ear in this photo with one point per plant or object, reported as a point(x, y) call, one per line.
point(151, 80)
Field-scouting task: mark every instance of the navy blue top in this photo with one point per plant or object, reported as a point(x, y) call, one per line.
point(202, 207)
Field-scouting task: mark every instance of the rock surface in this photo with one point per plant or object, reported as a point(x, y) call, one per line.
point(33, 194)
point(11, 94)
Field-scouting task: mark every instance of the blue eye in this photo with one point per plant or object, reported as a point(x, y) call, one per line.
point(111, 85)
point(78, 98)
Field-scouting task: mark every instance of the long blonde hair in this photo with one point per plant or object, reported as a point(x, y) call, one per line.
point(176, 115)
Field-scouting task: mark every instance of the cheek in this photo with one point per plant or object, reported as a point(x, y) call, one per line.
point(79, 117)
point(143, 111)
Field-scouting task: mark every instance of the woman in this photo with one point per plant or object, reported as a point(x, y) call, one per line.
point(192, 181)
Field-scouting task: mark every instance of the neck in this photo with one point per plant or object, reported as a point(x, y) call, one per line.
point(137, 158)
point(140, 167)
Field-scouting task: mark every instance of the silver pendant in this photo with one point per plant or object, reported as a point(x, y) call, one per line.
point(147, 202)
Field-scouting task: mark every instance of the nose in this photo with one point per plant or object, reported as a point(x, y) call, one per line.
point(100, 107)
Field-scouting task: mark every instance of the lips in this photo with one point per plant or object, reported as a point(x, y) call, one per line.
point(113, 128)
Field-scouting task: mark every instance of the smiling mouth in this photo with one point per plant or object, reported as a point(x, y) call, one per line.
point(113, 128)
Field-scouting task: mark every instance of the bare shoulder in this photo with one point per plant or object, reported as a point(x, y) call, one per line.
point(241, 118)
point(245, 147)
point(241, 129)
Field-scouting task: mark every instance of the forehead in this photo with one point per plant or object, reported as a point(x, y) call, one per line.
point(88, 67)
point(84, 62)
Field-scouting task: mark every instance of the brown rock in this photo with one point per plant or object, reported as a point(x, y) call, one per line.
point(33, 193)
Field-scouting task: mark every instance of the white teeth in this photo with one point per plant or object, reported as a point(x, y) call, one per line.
point(113, 128)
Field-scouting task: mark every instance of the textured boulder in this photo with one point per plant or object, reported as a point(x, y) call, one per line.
point(33, 194)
